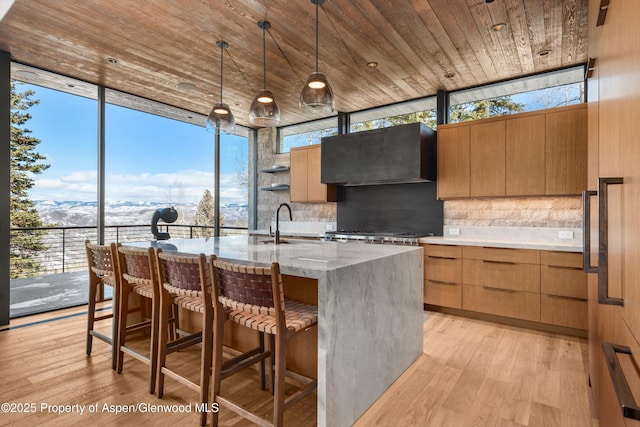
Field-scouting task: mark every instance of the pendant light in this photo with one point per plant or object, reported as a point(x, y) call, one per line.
point(264, 110)
point(316, 92)
point(221, 116)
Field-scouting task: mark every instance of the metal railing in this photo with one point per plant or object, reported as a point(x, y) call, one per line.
point(64, 246)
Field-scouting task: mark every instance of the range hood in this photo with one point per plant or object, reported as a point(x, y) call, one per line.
point(398, 154)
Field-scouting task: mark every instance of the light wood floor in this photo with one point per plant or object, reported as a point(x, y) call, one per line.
point(472, 373)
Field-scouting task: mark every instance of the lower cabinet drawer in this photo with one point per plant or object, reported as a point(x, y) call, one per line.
point(445, 269)
point(445, 294)
point(562, 311)
point(498, 274)
point(501, 302)
point(567, 281)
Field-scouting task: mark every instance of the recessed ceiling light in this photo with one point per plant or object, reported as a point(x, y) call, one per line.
point(488, 1)
point(499, 26)
point(27, 74)
point(210, 95)
point(372, 64)
point(544, 52)
point(71, 85)
point(450, 75)
point(112, 60)
point(186, 86)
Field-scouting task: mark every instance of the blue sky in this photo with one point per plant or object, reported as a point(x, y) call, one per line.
point(148, 158)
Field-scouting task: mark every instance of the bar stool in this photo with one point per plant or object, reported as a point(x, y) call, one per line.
point(185, 281)
point(102, 271)
point(253, 297)
point(138, 274)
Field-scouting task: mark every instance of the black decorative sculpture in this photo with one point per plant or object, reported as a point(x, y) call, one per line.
point(168, 215)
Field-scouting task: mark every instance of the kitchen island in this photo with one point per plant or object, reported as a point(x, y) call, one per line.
point(370, 311)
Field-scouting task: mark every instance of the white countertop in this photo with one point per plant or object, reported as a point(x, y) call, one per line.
point(264, 232)
point(570, 246)
point(306, 258)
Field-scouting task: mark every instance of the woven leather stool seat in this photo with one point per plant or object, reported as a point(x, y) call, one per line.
point(298, 317)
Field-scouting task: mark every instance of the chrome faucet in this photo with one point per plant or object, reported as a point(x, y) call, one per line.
point(276, 238)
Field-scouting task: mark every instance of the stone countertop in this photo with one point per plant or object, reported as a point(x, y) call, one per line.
point(264, 232)
point(305, 258)
point(570, 246)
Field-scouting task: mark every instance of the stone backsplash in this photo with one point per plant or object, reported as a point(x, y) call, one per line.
point(552, 212)
point(549, 212)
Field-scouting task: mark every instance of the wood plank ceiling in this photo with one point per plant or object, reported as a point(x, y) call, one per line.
point(420, 46)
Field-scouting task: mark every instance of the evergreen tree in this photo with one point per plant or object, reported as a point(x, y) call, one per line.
point(205, 215)
point(25, 162)
point(458, 113)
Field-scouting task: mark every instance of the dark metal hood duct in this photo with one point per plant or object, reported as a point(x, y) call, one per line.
point(398, 154)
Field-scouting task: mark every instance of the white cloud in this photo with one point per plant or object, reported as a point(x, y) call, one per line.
point(185, 186)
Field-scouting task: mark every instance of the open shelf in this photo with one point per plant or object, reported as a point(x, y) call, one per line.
point(275, 169)
point(279, 187)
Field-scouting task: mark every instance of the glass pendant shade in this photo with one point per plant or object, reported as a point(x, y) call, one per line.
point(264, 110)
point(317, 94)
point(222, 117)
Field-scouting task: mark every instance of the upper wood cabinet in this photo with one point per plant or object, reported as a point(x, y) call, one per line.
point(453, 162)
point(566, 151)
point(529, 154)
point(305, 185)
point(525, 155)
point(487, 159)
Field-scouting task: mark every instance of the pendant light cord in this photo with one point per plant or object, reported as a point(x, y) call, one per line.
point(317, 37)
point(264, 57)
point(221, 69)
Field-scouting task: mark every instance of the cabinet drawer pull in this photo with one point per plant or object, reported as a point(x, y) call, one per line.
point(489, 288)
point(568, 298)
point(498, 249)
point(564, 267)
point(629, 406)
point(441, 282)
point(498, 262)
point(441, 257)
point(586, 236)
point(603, 243)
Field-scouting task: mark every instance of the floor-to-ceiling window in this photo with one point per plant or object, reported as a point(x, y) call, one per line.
point(53, 189)
point(155, 156)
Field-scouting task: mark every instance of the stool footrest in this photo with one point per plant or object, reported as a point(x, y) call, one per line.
point(184, 342)
point(101, 336)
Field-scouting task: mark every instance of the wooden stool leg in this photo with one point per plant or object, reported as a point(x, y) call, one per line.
point(272, 363)
point(115, 325)
point(218, 337)
point(278, 399)
point(123, 310)
point(91, 314)
point(206, 360)
point(163, 332)
point(263, 382)
point(155, 338)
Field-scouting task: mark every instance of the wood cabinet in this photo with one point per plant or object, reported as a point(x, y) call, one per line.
point(487, 159)
point(453, 162)
point(563, 287)
point(502, 282)
point(538, 286)
point(305, 183)
point(527, 154)
point(566, 151)
point(614, 103)
point(443, 275)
